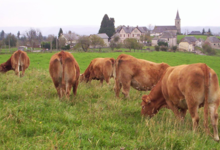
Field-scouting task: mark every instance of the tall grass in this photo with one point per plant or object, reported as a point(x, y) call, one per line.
point(33, 117)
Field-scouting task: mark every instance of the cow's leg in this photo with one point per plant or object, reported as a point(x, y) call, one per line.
point(58, 88)
point(75, 85)
point(68, 89)
point(213, 108)
point(117, 87)
point(17, 69)
point(126, 88)
point(183, 113)
point(174, 109)
point(23, 71)
point(193, 110)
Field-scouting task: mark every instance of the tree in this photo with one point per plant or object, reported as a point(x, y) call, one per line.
point(60, 32)
point(84, 42)
point(145, 38)
point(107, 26)
point(2, 35)
point(50, 39)
point(70, 36)
point(11, 40)
point(114, 43)
point(18, 34)
point(34, 37)
point(209, 32)
point(45, 45)
point(131, 43)
point(208, 49)
point(62, 42)
point(97, 41)
point(203, 31)
point(161, 43)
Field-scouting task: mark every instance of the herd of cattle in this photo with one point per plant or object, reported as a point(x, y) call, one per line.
point(177, 88)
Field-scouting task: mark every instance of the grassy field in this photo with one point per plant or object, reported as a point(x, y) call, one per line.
point(33, 117)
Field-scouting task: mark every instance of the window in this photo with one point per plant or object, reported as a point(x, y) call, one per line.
point(138, 34)
point(128, 35)
point(133, 35)
point(124, 35)
point(120, 35)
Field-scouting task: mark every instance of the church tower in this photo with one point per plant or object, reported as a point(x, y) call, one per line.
point(177, 22)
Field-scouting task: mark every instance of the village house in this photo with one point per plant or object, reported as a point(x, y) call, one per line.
point(213, 41)
point(195, 33)
point(187, 44)
point(131, 32)
point(166, 36)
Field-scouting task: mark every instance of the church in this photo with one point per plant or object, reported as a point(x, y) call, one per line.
point(158, 30)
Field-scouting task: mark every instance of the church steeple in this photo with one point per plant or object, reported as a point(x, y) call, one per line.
point(177, 22)
point(177, 15)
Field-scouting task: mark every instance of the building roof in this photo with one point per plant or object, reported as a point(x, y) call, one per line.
point(103, 35)
point(195, 33)
point(130, 29)
point(213, 39)
point(167, 34)
point(177, 15)
point(190, 39)
point(160, 29)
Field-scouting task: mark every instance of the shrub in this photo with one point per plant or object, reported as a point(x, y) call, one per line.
point(174, 48)
point(163, 48)
point(161, 43)
point(157, 48)
point(208, 49)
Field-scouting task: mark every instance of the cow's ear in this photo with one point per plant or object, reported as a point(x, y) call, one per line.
point(144, 97)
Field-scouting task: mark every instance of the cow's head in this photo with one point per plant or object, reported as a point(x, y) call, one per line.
point(148, 107)
point(3, 68)
point(151, 107)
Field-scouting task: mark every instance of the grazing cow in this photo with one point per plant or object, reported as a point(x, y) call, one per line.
point(186, 87)
point(99, 69)
point(19, 61)
point(142, 75)
point(64, 71)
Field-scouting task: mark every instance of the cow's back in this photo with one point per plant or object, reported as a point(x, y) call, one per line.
point(20, 58)
point(141, 73)
point(188, 80)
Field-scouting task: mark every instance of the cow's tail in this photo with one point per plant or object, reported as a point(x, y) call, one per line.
point(61, 60)
point(206, 72)
point(113, 67)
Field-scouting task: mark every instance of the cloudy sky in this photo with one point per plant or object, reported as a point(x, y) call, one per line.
point(51, 13)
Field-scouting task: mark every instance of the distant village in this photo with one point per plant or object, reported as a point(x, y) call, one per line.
point(115, 38)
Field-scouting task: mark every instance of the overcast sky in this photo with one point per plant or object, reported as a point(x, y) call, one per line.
point(52, 13)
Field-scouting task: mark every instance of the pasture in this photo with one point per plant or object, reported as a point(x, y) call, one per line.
point(33, 117)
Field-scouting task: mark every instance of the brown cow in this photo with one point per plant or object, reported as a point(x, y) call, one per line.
point(99, 69)
point(64, 71)
point(186, 87)
point(142, 75)
point(19, 61)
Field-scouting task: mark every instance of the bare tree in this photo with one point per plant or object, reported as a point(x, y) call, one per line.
point(34, 37)
point(62, 42)
point(50, 39)
point(70, 36)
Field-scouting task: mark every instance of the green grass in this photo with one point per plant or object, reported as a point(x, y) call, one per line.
point(204, 37)
point(33, 117)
